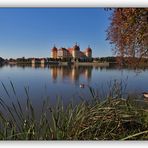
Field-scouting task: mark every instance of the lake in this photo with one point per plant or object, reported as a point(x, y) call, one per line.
point(63, 81)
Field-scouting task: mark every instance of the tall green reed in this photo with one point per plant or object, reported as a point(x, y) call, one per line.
point(114, 118)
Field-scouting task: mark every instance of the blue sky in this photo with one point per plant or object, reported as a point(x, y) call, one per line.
point(32, 32)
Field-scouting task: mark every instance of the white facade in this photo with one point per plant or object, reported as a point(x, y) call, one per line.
point(62, 53)
point(75, 54)
point(43, 61)
point(88, 54)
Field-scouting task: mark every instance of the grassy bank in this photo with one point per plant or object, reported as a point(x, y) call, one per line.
point(111, 119)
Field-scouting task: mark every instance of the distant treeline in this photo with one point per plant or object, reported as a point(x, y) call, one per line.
point(120, 60)
point(1, 60)
point(124, 61)
point(21, 60)
point(105, 59)
point(24, 60)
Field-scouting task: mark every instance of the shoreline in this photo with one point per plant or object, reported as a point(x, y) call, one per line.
point(105, 64)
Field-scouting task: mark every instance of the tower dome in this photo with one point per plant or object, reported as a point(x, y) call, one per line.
point(54, 49)
point(88, 49)
point(54, 52)
point(88, 52)
point(76, 47)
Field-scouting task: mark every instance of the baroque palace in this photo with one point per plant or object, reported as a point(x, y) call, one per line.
point(71, 53)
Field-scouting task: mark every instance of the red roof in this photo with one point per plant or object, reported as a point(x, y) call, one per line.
point(54, 49)
point(63, 49)
point(88, 49)
point(70, 50)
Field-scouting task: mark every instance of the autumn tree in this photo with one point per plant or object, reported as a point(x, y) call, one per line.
point(128, 33)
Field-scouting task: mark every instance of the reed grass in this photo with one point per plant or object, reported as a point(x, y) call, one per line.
point(111, 119)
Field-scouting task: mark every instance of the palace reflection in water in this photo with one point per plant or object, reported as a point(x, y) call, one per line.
point(65, 80)
point(73, 73)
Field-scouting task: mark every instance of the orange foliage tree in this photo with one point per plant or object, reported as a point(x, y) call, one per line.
point(128, 32)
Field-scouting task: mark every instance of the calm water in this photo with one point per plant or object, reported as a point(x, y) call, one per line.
point(63, 81)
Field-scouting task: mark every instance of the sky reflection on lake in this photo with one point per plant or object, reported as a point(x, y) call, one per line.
point(64, 81)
